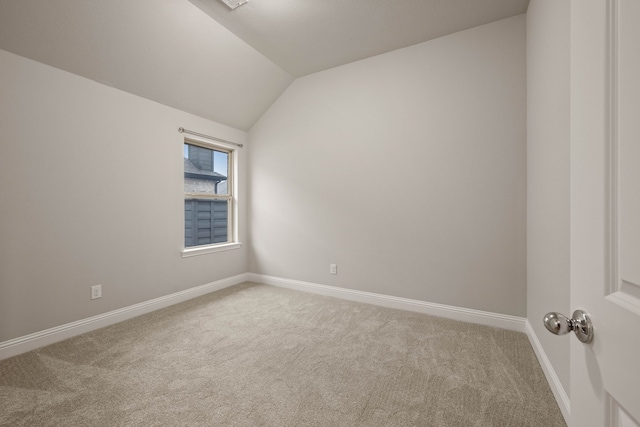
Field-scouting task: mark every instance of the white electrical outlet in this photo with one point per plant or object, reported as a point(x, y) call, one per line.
point(333, 268)
point(96, 291)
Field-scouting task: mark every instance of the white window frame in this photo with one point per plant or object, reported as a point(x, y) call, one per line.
point(232, 213)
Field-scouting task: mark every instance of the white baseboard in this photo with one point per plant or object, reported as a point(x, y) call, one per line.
point(552, 378)
point(49, 336)
point(504, 321)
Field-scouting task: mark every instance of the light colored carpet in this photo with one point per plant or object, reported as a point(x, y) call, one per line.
point(255, 355)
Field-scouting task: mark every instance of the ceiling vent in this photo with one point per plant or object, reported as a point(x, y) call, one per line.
point(234, 3)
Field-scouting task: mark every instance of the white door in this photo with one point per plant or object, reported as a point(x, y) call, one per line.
point(605, 210)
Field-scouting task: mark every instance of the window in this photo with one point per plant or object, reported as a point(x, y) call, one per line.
point(208, 195)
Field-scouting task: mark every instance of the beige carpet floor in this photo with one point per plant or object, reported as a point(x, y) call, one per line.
point(255, 355)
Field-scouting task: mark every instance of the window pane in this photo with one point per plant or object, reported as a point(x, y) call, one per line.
point(205, 222)
point(205, 170)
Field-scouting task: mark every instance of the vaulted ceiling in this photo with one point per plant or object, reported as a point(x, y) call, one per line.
point(306, 36)
point(225, 65)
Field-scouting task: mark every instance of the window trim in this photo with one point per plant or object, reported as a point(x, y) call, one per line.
point(232, 213)
point(208, 249)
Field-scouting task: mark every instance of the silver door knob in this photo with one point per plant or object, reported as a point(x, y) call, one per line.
point(559, 324)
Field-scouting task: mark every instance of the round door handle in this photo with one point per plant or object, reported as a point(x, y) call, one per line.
point(560, 324)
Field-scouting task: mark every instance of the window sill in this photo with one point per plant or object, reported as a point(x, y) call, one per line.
point(202, 250)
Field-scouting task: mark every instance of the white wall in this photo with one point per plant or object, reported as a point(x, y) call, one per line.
point(91, 186)
point(548, 174)
point(407, 170)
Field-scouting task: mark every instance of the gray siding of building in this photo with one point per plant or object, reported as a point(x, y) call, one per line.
point(205, 222)
point(202, 158)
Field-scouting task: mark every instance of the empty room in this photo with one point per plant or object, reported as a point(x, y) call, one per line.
point(319, 213)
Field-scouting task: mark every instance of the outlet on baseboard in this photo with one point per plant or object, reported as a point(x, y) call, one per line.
point(333, 268)
point(96, 291)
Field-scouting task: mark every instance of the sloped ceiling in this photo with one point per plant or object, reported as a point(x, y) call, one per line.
point(168, 51)
point(306, 36)
point(225, 65)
